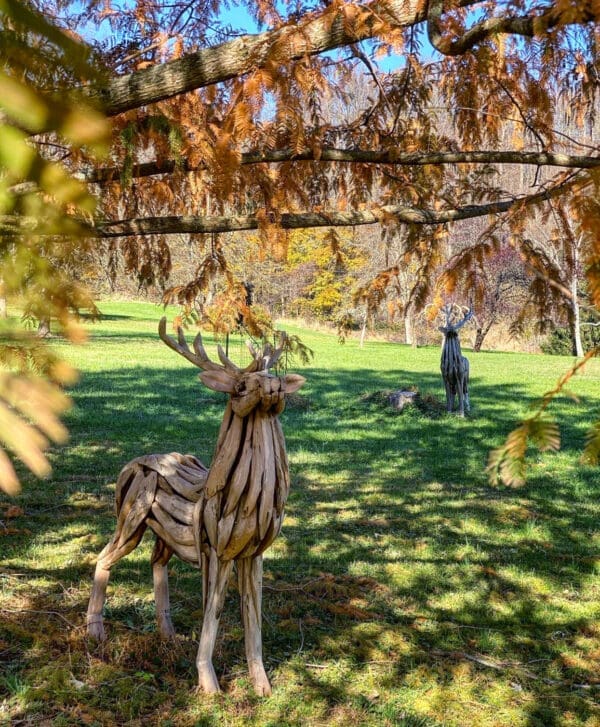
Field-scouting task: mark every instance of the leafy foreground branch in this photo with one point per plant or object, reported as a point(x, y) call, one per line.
point(507, 463)
point(339, 25)
point(34, 269)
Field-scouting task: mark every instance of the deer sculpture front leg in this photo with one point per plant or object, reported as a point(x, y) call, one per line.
point(214, 599)
point(250, 572)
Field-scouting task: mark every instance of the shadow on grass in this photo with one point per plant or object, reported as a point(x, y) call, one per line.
point(399, 572)
point(107, 317)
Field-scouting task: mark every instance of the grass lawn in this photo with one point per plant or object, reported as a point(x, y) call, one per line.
point(403, 590)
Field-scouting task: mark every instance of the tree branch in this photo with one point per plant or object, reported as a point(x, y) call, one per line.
point(334, 27)
point(189, 224)
point(525, 25)
point(102, 176)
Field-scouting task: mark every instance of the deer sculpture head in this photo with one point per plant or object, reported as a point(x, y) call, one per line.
point(250, 388)
point(454, 366)
point(451, 316)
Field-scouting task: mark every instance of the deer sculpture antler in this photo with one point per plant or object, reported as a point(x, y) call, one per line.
point(200, 357)
point(449, 314)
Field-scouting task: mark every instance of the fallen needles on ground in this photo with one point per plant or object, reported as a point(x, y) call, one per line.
point(505, 666)
point(46, 613)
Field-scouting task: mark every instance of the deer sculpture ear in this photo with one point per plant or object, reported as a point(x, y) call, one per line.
point(218, 381)
point(293, 382)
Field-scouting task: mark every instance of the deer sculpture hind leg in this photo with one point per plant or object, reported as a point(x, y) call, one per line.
point(94, 619)
point(250, 587)
point(160, 559)
point(112, 553)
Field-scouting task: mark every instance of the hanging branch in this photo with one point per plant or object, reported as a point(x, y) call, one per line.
point(353, 156)
point(527, 26)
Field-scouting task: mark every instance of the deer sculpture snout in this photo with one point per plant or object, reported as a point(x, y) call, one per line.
point(273, 394)
point(254, 390)
point(259, 390)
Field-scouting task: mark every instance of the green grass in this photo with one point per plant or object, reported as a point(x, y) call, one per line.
point(404, 590)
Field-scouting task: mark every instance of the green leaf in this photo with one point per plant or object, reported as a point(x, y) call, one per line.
point(16, 156)
point(591, 453)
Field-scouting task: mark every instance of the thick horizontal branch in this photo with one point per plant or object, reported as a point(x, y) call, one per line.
point(189, 224)
point(525, 25)
point(332, 28)
point(147, 169)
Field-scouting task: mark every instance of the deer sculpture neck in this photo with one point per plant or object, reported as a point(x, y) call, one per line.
point(451, 353)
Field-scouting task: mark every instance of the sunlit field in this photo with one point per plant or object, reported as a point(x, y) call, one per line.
point(403, 590)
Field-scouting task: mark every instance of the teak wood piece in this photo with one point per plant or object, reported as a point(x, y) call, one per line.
point(454, 366)
point(211, 517)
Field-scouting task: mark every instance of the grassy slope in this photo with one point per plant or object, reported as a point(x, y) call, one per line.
point(397, 569)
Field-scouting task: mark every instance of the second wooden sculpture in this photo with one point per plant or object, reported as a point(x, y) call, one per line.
point(454, 366)
point(213, 517)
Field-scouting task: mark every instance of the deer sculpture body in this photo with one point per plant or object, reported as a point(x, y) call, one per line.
point(213, 517)
point(454, 366)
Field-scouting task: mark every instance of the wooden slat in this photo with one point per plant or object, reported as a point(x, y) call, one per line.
point(182, 551)
point(178, 507)
point(178, 533)
point(239, 478)
point(140, 507)
point(225, 458)
point(257, 467)
point(265, 508)
point(243, 531)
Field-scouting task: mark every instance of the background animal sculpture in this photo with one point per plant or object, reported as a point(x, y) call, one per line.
point(454, 366)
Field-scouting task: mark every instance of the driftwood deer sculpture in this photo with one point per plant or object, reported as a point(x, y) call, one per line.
point(211, 517)
point(454, 366)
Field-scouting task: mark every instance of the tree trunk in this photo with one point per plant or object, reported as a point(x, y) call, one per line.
point(575, 320)
point(575, 317)
point(363, 332)
point(480, 335)
point(43, 330)
point(409, 331)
